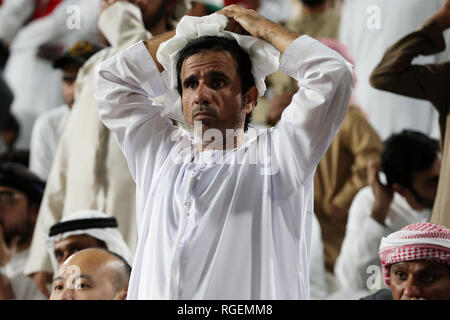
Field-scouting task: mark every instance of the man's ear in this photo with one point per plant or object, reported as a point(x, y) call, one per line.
point(251, 97)
point(408, 195)
point(404, 192)
point(121, 295)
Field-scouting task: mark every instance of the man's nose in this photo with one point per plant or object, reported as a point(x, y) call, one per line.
point(412, 289)
point(202, 94)
point(67, 294)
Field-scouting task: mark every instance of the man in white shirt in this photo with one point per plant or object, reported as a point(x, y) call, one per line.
point(92, 274)
point(411, 163)
point(49, 127)
point(20, 196)
point(85, 229)
point(209, 228)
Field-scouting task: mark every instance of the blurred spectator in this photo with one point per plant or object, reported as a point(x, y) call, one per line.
point(92, 274)
point(49, 127)
point(20, 197)
point(10, 132)
point(367, 28)
point(13, 15)
point(316, 20)
point(397, 73)
point(82, 230)
point(416, 264)
point(411, 163)
point(85, 229)
point(28, 71)
point(89, 170)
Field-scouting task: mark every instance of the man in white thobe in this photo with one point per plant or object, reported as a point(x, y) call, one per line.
point(214, 229)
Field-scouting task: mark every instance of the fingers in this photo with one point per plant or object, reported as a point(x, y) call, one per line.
point(40, 278)
point(14, 245)
point(372, 171)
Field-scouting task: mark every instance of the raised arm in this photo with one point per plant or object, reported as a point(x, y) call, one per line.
point(126, 87)
point(396, 73)
point(310, 122)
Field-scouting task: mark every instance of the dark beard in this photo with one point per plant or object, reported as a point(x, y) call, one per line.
point(24, 231)
point(423, 202)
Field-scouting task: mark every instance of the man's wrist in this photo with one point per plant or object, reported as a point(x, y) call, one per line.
point(442, 22)
point(379, 213)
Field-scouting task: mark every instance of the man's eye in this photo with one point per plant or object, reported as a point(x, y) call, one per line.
point(58, 287)
point(429, 278)
point(401, 275)
point(218, 83)
point(81, 286)
point(191, 85)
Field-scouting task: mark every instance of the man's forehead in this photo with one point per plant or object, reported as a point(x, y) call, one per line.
point(6, 188)
point(418, 265)
point(75, 239)
point(205, 61)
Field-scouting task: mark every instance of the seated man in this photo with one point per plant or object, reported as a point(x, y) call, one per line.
point(416, 264)
point(92, 274)
point(209, 227)
point(82, 230)
point(411, 163)
point(20, 197)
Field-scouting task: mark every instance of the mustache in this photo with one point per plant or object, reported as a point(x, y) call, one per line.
point(204, 107)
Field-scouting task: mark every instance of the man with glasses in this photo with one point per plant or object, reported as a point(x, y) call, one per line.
point(20, 197)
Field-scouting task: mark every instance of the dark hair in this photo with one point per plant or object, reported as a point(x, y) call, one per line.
point(406, 153)
point(19, 177)
point(12, 125)
point(214, 43)
point(312, 3)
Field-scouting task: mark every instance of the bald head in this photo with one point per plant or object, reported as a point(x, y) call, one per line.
point(92, 274)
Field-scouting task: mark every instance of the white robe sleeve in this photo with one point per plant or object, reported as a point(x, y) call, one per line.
point(309, 124)
point(126, 84)
point(13, 15)
point(360, 247)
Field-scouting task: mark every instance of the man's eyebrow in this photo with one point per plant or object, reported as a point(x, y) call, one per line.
point(189, 79)
point(217, 74)
point(58, 278)
point(84, 276)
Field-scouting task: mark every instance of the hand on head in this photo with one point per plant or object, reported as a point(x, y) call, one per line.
point(7, 251)
point(442, 17)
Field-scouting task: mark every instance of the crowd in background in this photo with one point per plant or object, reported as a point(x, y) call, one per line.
point(65, 185)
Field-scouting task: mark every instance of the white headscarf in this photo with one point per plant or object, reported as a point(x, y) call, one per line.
point(111, 236)
point(264, 57)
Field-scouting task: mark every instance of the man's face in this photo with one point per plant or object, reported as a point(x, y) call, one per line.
point(85, 277)
point(69, 74)
point(211, 91)
point(425, 184)
point(153, 11)
point(64, 248)
point(15, 216)
point(420, 280)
